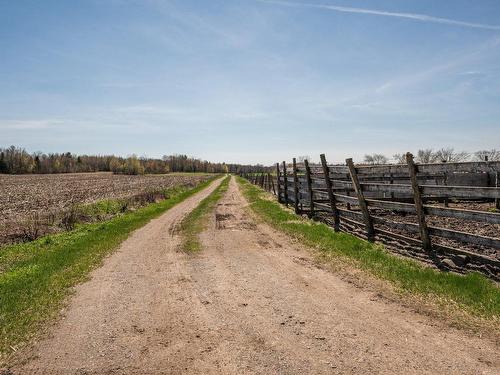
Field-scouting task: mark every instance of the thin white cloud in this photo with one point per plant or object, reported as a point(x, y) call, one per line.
point(412, 16)
point(28, 124)
point(471, 73)
point(470, 57)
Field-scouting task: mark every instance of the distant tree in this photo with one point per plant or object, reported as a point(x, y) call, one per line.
point(450, 155)
point(399, 158)
point(38, 164)
point(375, 159)
point(133, 166)
point(490, 155)
point(3, 164)
point(116, 165)
point(425, 156)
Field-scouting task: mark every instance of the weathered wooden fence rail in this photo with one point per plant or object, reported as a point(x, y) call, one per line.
point(404, 206)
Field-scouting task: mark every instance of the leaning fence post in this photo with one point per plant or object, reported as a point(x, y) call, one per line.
point(278, 187)
point(269, 177)
point(295, 186)
point(309, 187)
point(419, 207)
point(285, 182)
point(370, 232)
point(331, 196)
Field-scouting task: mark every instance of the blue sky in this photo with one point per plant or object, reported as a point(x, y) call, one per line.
point(249, 81)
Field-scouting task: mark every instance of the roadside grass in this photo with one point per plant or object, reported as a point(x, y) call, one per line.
point(472, 293)
point(105, 208)
point(188, 173)
point(102, 208)
point(193, 224)
point(35, 277)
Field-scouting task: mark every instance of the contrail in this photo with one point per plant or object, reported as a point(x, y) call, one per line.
point(412, 16)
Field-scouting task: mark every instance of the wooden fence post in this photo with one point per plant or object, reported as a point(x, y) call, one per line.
point(309, 187)
point(392, 182)
point(285, 182)
point(419, 207)
point(269, 177)
point(295, 186)
point(497, 200)
point(331, 196)
point(370, 231)
point(278, 187)
point(446, 200)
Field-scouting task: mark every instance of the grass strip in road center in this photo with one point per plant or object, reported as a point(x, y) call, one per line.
point(35, 277)
point(473, 292)
point(193, 224)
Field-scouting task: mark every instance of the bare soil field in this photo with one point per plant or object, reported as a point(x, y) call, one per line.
point(251, 302)
point(25, 195)
point(457, 224)
point(474, 227)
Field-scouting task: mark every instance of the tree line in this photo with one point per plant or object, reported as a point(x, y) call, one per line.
point(443, 155)
point(16, 160)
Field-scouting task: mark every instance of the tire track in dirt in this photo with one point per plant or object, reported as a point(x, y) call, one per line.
point(250, 302)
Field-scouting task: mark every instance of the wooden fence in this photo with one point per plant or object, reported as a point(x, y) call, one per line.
point(446, 214)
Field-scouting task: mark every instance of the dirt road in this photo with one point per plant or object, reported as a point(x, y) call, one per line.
point(250, 303)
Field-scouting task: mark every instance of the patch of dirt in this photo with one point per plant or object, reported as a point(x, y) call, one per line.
point(220, 218)
point(251, 302)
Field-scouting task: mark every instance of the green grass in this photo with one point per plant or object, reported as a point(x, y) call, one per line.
point(108, 207)
point(189, 174)
point(193, 224)
point(103, 208)
point(35, 277)
point(473, 293)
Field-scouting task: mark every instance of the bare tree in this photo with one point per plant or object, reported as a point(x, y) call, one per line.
point(399, 158)
point(375, 159)
point(302, 158)
point(450, 155)
point(425, 156)
point(490, 155)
